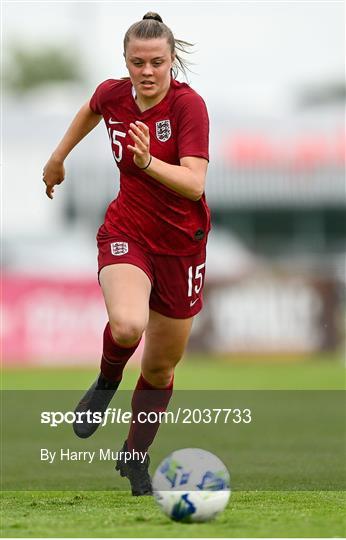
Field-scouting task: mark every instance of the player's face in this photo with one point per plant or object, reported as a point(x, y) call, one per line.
point(149, 62)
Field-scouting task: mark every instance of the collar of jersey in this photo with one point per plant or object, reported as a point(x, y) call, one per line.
point(163, 100)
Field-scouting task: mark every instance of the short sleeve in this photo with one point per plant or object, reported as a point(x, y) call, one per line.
point(96, 101)
point(193, 127)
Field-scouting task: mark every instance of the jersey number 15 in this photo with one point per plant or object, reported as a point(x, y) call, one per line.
point(113, 134)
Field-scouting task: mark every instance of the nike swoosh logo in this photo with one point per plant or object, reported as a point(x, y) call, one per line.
point(114, 121)
point(192, 303)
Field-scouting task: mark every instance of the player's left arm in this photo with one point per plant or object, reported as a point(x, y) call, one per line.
point(187, 179)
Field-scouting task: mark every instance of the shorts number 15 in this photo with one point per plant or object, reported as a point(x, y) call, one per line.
point(197, 276)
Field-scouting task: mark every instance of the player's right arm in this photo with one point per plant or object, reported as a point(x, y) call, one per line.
point(54, 171)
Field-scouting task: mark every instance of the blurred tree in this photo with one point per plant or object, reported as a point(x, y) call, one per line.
point(325, 94)
point(28, 68)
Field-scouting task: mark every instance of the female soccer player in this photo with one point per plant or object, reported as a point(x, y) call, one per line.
point(152, 242)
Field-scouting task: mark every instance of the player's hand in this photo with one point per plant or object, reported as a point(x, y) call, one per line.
point(53, 174)
point(139, 133)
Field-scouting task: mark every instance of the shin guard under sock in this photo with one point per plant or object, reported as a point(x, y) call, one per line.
point(146, 398)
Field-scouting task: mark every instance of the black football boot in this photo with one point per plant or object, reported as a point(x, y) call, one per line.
point(137, 473)
point(96, 399)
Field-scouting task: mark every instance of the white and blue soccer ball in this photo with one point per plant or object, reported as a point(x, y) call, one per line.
point(192, 485)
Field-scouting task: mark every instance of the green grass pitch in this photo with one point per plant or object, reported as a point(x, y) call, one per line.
point(117, 514)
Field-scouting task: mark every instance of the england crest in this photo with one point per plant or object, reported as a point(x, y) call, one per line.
point(163, 130)
point(119, 248)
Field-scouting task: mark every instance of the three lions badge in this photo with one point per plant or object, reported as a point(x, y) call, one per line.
point(119, 248)
point(163, 130)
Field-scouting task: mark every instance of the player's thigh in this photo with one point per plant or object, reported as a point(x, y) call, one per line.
point(165, 342)
point(126, 289)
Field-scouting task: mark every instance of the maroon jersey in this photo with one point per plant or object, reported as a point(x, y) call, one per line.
point(157, 217)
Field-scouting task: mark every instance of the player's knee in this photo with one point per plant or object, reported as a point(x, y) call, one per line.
point(126, 333)
point(158, 376)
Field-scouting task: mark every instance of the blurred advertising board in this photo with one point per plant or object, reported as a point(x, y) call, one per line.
point(268, 312)
point(53, 321)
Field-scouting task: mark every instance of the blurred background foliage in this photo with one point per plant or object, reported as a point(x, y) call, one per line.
point(332, 91)
point(29, 67)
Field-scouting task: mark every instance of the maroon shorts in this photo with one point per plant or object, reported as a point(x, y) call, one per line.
point(177, 282)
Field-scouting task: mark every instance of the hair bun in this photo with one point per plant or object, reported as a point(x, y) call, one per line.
point(153, 16)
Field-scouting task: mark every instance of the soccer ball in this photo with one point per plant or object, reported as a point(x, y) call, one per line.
point(192, 485)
